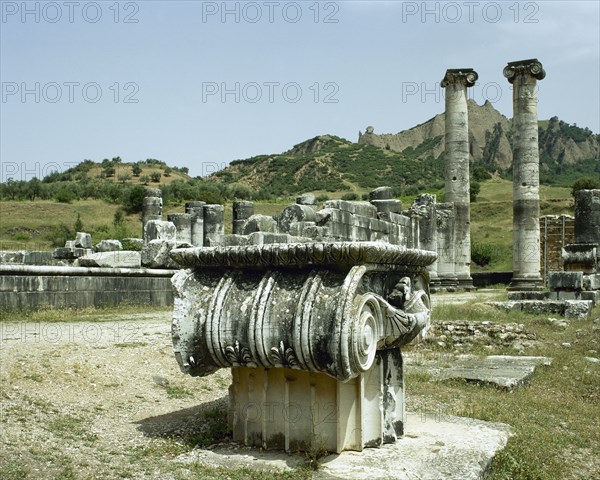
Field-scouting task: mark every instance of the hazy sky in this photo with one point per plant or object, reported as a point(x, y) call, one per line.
point(199, 84)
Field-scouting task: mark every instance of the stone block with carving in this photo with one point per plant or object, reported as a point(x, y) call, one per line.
point(118, 259)
point(160, 230)
point(312, 333)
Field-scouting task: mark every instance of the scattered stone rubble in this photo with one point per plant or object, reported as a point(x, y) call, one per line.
point(464, 335)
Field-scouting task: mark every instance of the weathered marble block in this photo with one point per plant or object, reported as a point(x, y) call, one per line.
point(312, 332)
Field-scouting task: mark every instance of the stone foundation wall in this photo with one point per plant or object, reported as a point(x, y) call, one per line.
point(32, 288)
point(555, 232)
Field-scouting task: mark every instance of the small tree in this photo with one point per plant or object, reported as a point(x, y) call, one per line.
point(78, 226)
point(155, 177)
point(119, 227)
point(168, 171)
point(34, 188)
point(124, 177)
point(136, 169)
point(119, 218)
point(145, 179)
point(133, 199)
point(474, 191)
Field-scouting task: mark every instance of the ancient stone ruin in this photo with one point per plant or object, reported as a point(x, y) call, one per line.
point(456, 158)
point(312, 333)
point(574, 291)
point(523, 76)
point(309, 309)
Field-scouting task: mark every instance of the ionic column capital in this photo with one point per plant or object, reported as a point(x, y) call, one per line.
point(464, 76)
point(532, 67)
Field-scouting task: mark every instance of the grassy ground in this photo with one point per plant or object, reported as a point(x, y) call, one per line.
point(556, 418)
point(90, 314)
point(96, 410)
point(31, 225)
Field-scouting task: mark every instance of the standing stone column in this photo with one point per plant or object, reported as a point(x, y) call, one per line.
point(587, 216)
point(456, 159)
point(444, 216)
point(424, 208)
point(523, 75)
point(242, 211)
point(151, 207)
point(183, 224)
point(214, 225)
point(196, 210)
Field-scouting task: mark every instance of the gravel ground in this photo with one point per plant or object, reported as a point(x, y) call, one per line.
point(104, 399)
point(97, 400)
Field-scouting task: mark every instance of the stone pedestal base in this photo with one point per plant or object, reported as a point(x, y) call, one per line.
point(294, 410)
point(466, 283)
point(526, 284)
point(435, 284)
point(449, 283)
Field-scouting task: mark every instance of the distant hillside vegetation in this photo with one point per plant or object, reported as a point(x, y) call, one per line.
point(333, 164)
point(410, 161)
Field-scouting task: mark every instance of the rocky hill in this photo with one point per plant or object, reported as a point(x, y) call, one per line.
point(413, 159)
point(490, 132)
point(329, 163)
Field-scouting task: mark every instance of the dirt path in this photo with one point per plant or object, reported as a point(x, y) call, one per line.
point(96, 400)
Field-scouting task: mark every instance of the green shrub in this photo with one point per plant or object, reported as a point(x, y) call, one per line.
point(585, 183)
point(480, 174)
point(65, 195)
point(21, 237)
point(118, 218)
point(350, 196)
point(483, 254)
point(131, 246)
point(78, 226)
point(474, 190)
point(59, 235)
point(322, 198)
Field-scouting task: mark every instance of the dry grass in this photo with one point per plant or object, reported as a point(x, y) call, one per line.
point(556, 418)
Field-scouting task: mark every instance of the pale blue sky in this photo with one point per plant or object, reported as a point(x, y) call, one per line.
point(374, 63)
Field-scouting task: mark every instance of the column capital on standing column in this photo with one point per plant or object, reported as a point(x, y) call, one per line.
point(464, 76)
point(532, 67)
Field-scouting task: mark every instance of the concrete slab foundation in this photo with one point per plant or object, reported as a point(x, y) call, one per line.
point(503, 371)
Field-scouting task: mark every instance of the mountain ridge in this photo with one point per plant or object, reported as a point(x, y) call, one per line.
point(413, 158)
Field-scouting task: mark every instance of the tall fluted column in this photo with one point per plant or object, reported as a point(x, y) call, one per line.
point(523, 75)
point(456, 159)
